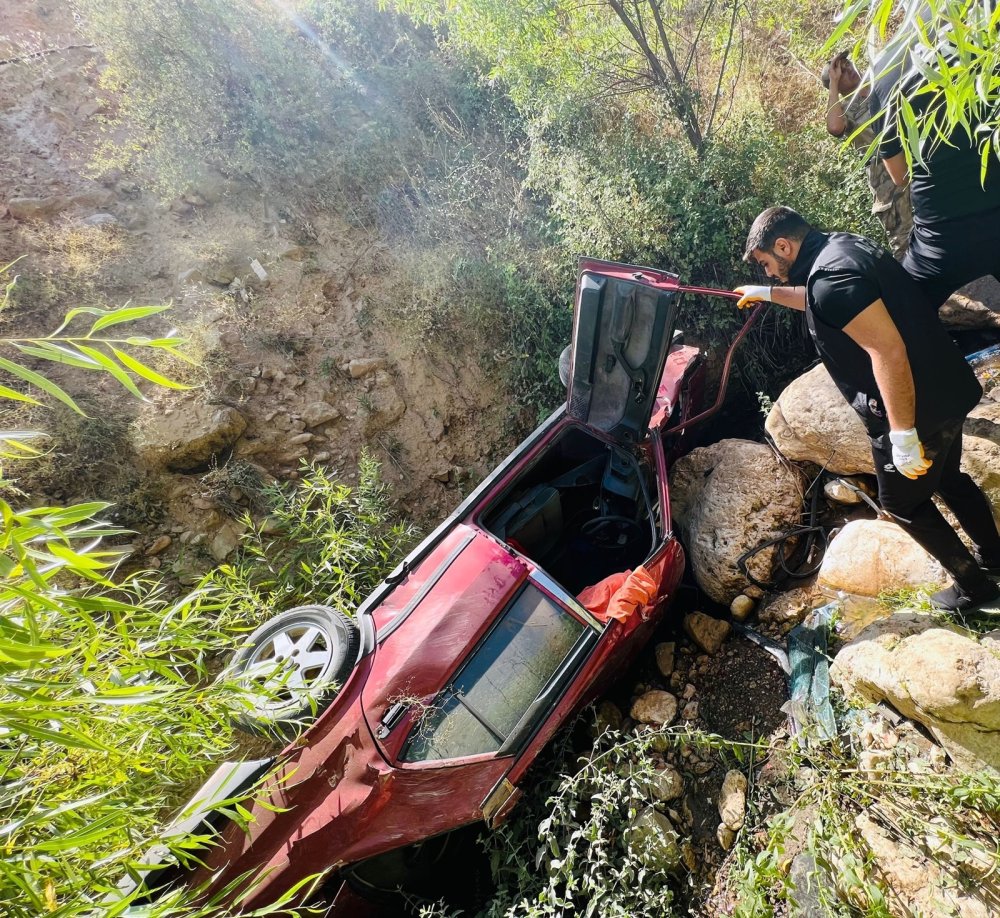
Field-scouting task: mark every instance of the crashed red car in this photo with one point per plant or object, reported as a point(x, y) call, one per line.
point(480, 645)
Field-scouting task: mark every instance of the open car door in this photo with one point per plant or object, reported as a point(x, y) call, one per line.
point(623, 323)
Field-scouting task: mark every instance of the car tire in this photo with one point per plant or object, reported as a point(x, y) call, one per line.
point(291, 667)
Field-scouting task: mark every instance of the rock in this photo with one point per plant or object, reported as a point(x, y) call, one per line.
point(786, 610)
point(741, 607)
point(725, 836)
point(319, 413)
point(690, 711)
point(160, 544)
point(226, 540)
point(872, 761)
point(845, 491)
point(947, 681)
point(981, 460)
point(812, 422)
point(608, 717)
point(976, 305)
point(362, 366)
point(733, 800)
point(919, 886)
point(282, 249)
point(869, 557)
point(655, 707)
point(189, 437)
point(300, 439)
point(665, 658)
point(191, 276)
point(664, 785)
point(983, 421)
point(101, 219)
point(38, 208)
point(384, 409)
point(726, 499)
point(653, 841)
point(707, 632)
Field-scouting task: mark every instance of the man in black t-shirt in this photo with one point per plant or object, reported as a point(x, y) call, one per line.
point(956, 217)
point(901, 372)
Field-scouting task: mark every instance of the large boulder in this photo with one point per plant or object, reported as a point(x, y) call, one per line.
point(981, 459)
point(189, 436)
point(812, 422)
point(976, 305)
point(944, 679)
point(728, 498)
point(869, 557)
point(921, 885)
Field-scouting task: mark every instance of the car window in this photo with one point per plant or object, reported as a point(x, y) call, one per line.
point(509, 669)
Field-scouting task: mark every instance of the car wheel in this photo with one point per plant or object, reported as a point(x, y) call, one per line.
point(292, 665)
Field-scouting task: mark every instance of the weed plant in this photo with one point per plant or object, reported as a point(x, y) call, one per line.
point(321, 542)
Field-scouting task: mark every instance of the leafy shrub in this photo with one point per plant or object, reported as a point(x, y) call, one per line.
point(322, 542)
point(570, 850)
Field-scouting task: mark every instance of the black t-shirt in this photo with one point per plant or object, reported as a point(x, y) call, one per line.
point(947, 186)
point(839, 296)
point(843, 275)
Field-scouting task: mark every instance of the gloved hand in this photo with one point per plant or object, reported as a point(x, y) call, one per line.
point(908, 453)
point(751, 294)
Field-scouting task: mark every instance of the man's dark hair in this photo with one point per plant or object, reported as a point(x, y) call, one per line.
point(775, 223)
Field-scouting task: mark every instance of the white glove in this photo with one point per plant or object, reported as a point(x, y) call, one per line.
point(908, 453)
point(751, 294)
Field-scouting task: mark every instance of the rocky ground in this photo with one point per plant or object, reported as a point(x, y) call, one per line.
point(280, 303)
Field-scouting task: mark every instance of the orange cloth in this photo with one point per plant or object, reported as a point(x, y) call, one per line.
point(619, 595)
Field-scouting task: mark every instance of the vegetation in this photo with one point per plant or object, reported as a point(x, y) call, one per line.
point(320, 542)
point(110, 713)
point(955, 49)
point(485, 146)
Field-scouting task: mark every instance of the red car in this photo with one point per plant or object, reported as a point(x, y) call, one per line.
point(477, 649)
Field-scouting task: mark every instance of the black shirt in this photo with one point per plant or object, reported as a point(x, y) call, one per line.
point(843, 275)
point(947, 186)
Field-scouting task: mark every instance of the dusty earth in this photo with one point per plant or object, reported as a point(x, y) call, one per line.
point(269, 349)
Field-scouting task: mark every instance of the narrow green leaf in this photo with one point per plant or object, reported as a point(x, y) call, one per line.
point(57, 354)
point(46, 385)
point(116, 371)
point(79, 311)
point(16, 396)
point(142, 370)
point(129, 314)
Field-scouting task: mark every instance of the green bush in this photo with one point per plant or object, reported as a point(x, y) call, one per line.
point(321, 542)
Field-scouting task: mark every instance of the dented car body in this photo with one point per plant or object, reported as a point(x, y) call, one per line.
point(476, 649)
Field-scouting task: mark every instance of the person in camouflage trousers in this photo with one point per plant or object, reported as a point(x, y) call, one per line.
point(846, 112)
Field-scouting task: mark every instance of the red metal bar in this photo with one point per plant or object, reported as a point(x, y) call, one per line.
point(724, 383)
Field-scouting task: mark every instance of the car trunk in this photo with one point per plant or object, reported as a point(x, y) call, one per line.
point(584, 509)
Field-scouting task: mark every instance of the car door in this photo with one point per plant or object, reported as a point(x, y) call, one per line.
point(623, 323)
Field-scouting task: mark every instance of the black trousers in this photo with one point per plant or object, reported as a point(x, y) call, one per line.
point(909, 502)
point(945, 256)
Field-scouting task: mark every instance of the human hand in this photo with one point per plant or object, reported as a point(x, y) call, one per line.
point(836, 72)
point(908, 453)
point(752, 293)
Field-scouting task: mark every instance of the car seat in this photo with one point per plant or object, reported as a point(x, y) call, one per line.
point(533, 523)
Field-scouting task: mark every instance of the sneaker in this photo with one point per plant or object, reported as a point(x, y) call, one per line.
point(954, 599)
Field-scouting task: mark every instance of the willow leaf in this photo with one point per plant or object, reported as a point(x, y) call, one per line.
point(116, 371)
point(46, 385)
point(16, 396)
point(126, 314)
point(57, 354)
point(142, 370)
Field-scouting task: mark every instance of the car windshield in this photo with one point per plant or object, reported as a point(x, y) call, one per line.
point(505, 674)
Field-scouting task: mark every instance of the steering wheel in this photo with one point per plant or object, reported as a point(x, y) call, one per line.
point(611, 531)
